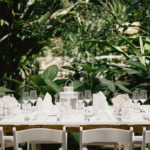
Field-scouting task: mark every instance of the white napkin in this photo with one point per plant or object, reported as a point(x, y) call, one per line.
point(47, 100)
point(99, 102)
point(39, 104)
point(48, 107)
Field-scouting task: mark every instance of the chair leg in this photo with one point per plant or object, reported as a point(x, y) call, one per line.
point(119, 145)
point(115, 146)
point(28, 146)
point(33, 146)
point(133, 146)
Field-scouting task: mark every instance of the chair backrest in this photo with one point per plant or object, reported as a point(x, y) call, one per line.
point(40, 135)
point(105, 135)
point(146, 138)
point(2, 139)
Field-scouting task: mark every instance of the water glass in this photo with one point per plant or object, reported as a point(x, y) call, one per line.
point(25, 97)
point(25, 100)
point(88, 96)
point(33, 96)
point(135, 98)
point(143, 96)
point(80, 100)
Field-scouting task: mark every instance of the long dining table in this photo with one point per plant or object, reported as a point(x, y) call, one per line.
point(75, 122)
point(74, 127)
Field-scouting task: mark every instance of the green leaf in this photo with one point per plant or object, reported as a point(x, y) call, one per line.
point(142, 58)
point(60, 82)
point(62, 12)
point(50, 73)
point(90, 69)
point(45, 89)
point(78, 85)
point(123, 88)
point(37, 80)
point(109, 84)
point(14, 80)
point(137, 65)
point(69, 68)
point(133, 47)
point(132, 71)
point(52, 85)
point(118, 49)
point(5, 90)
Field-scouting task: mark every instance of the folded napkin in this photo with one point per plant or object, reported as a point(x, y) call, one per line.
point(100, 102)
point(39, 103)
point(47, 101)
point(46, 106)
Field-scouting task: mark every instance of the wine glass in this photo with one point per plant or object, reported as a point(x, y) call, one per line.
point(58, 104)
point(25, 100)
point(80, 100)
point(33, 96)
point(88, 96)
point(135, 96)
point(25, 97)
point(143, 96)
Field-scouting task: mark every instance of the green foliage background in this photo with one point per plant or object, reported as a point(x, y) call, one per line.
point(81, 31)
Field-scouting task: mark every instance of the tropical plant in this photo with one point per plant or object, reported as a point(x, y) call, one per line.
point(25, 29)
point(5, 90)
point(47, 82)
point(138, 66)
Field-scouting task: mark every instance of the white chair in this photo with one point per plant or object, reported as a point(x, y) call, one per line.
point(2, 139)
point(40, 136)
point(137, 139)
point(146, 138)
point(106, 136)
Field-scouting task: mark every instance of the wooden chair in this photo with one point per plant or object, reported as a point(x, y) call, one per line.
point(106, 136)
point(40, 136)
point(146, 138)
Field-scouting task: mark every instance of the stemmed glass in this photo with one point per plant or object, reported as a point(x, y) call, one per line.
point(135, 96)
point(59, 110)
point(25, 97)
point(80, 100)
point(88, 96)
point(33, 96)
point(143, 96)
point(25, 100)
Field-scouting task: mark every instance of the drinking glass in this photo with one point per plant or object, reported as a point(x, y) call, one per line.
point(80, 100)
point(88, 96)
point(143, 96)
point(25, 100)
point(33, 96)
point(25, 97)
point(135, 96)
point(57, 100)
